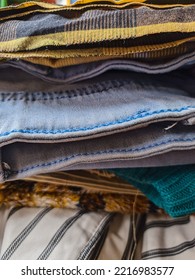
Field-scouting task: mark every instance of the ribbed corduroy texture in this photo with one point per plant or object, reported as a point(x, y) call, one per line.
point(92, 26)
point(100, 32)
point(172, 188)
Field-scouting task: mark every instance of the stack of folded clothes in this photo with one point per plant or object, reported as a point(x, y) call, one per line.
point(97, 130)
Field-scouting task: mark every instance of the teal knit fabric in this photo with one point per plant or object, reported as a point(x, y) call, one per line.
point(171, 188)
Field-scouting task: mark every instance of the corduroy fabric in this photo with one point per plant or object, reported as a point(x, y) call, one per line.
point(150, 56)
point(38, 31)
point(171, 188)
point(119, 2)
point(56, 59)
point(30, 5)
point(148, 51)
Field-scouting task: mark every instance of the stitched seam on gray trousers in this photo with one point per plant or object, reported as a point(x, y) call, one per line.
point(105, 152)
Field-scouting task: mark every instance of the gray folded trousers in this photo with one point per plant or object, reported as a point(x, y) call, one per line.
point(119, 119)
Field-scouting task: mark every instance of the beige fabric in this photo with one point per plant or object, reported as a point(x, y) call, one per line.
point(64, 234)
point(116, 239)
point(4, 212)
point(44, 233)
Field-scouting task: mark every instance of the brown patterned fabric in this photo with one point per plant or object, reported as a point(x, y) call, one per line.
point(65, 191)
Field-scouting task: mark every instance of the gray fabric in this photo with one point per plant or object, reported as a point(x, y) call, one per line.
point(29, 159)
point(72, 74)
point(165, 159)
point(74, 125)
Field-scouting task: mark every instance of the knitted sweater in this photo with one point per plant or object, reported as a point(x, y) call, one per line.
point(172, 188)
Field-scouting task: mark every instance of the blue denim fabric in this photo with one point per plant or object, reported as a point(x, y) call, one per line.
point(118, 116)
point(72, 74)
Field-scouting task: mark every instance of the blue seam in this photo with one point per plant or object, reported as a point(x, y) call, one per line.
point(120, 121)
point(103, 152)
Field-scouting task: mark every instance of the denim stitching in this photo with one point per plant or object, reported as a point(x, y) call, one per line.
point(104, 152)
point(140, 115)
point(93, 89)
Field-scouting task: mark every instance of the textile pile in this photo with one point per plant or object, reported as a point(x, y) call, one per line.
point(97, 130)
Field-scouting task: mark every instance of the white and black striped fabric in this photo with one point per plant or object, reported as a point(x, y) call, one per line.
point(122, 238)
point(46, 233)
point(64, 234)
point(166, 238)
